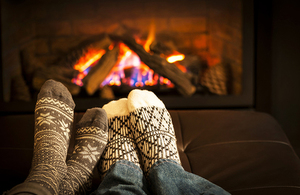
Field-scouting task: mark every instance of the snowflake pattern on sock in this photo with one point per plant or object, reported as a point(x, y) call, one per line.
point(88, 152)
point(53, 121)
point(90, 142)
point(154, 134)
point(121, 144)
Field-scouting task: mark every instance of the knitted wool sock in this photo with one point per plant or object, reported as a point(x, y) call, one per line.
point(121, 145)
point(90, 141)
point(53, 121)
point(153, 128)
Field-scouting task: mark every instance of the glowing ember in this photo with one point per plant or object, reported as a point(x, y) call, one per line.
point(175, 58)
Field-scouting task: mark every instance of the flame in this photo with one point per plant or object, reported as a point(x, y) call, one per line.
point(151, 37)
point(85, 62)
point(129, 69)
point(141, 74)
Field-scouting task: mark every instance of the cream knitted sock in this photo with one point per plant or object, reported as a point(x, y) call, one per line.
point(152, 128)
point(121, 145)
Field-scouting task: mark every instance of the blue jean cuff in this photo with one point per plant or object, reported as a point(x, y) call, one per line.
point(162, 161)
point(126, 163)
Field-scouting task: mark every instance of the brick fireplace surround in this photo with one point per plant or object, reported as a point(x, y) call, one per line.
point(212, 30)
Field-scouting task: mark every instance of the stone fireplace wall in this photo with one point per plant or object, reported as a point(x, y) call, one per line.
point(211, 29)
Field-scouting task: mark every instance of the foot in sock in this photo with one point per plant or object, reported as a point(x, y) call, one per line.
point(90, 141)
point(53, 120)
point(152, 127)
point(121, 145)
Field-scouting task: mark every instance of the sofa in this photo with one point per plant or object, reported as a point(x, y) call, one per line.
point(244, 152)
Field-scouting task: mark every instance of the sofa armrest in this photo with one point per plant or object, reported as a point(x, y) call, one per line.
point(245, 152)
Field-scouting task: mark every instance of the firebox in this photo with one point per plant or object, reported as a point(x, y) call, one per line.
point(193, 54)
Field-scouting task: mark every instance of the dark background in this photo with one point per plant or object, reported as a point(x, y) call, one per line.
point(278, 64)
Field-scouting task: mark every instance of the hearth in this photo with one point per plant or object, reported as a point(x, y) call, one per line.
point(192, 54)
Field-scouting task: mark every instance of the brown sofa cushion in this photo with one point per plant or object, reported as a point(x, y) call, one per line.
point(244, 152)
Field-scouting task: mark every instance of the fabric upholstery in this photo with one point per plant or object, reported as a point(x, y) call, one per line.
point(242, 151)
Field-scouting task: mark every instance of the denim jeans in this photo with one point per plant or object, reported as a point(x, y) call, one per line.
point(165, 177)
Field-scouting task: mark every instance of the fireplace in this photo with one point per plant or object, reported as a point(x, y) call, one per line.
point(102, 50)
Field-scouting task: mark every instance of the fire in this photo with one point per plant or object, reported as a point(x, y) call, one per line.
point(129, 69)
point(127, 59)
point(141, 74)
point(85, 62)
point(150, 38)
point(175, 58)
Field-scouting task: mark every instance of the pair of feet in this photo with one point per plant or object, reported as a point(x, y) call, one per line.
point(50, 172)
point(138, 129)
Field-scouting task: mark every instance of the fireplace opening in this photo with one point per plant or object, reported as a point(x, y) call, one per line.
point(192, 54)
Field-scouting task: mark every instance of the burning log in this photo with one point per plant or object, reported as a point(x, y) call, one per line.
point(19, 89)
point(98, 73)
point(29, 65)
point(95, 43)
point(107, 93)
point(156, 63)
point(193, 64)
point(160, 48)
point(36, 73)
point(61, 74)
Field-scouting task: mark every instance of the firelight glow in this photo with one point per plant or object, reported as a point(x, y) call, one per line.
point(129, 61)
point(85, 62)
point(150, 38)
point(129, 69)
point(175, 58)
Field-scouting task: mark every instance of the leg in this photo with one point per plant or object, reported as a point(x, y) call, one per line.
point(53, 120)
point(90, 141)
point(155, 138)
point(119, 164)
point(123, 177)
point(168, 177)
point(152, 127)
